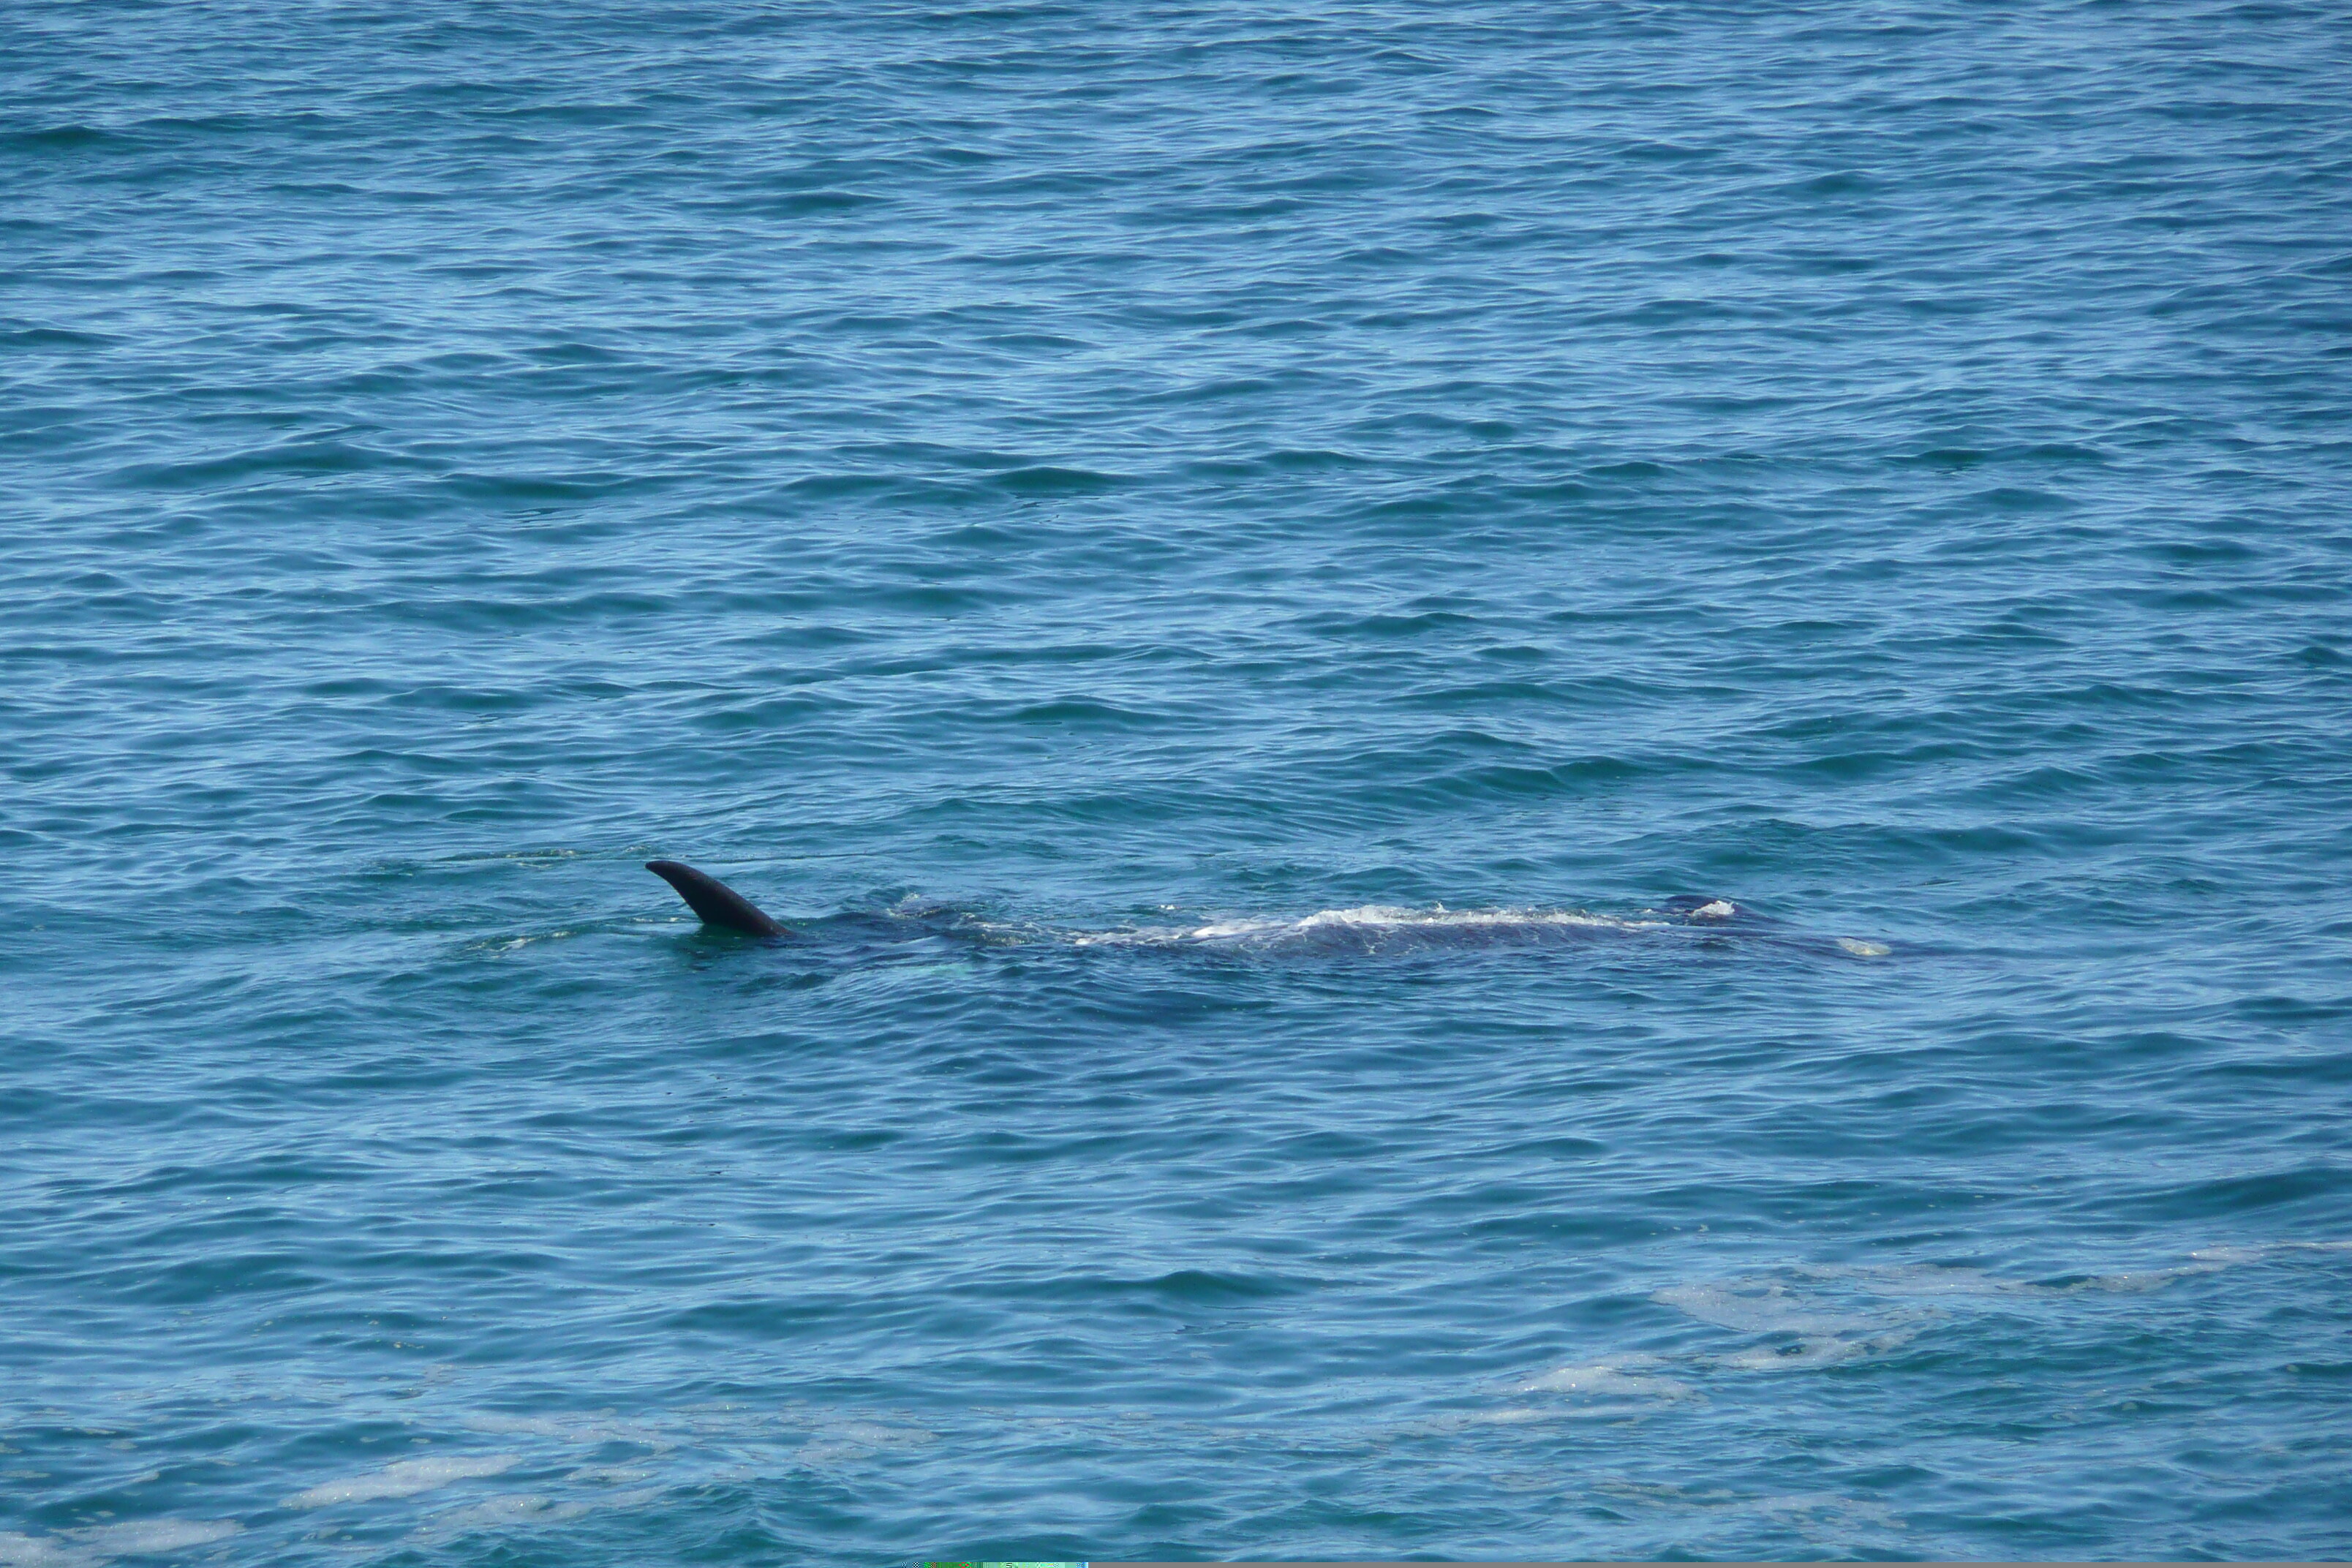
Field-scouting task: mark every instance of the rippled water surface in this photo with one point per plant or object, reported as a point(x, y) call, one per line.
point(1224, 568)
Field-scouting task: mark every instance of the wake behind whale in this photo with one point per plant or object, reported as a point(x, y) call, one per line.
point(1366, 929)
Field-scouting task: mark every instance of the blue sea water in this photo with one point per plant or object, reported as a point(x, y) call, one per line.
point(1220, 565)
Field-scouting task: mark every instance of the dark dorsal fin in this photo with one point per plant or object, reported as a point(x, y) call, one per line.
point(714, 900)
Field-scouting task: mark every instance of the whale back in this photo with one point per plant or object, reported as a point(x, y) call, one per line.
point(714, 900)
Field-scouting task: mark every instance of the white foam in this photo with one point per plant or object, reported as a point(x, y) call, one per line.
point(1622, 1378)
point(1928, 1280)
point(1829, 1502)
point(1812, 1352)
point(2152, 1278)
point(1811, 1335)
point(1805, 1331)
point(857, 1439)
point(1860, 949)
point(1914, 1279)
point(406, 1478)
point(1720, 910)
point(1767, 1309)
point(156, 1537)
point(1713, 1301)
point(517, 943)
point(40, 1551)
point(568, 1429)
point(102, 1543)
point(1362, 918)
point(515, 1508)
point(2222, 1257)
point(2227, 1255)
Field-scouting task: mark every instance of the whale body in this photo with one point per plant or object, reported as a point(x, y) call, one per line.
point(1367, 931)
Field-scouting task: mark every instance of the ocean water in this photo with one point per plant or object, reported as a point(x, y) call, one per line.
point(1247, 580)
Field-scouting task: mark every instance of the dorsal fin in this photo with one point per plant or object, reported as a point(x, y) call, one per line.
point(714, 900)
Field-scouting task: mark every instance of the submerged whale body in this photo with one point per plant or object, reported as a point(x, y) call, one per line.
point(1370, 930)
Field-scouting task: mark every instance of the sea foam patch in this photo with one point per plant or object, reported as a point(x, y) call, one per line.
point(17, 1551)
point(406, 1478)
point(512, 1509)
point(1760, 1307)
point(1623, 1377)
point(857, 1439)
point(102, 1543)
point(589, 1430)
point(156, 1537)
